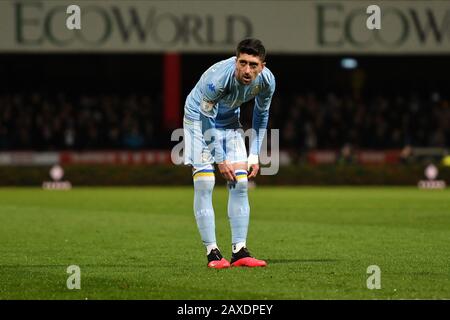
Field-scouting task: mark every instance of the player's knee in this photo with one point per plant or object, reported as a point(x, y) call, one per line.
point(204, 180)
point(241, 183)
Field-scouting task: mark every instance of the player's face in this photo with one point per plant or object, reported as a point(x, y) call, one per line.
point(248, 67)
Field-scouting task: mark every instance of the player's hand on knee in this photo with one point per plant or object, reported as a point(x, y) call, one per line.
point(254, 168)
point(227, 171)
point(253, 165)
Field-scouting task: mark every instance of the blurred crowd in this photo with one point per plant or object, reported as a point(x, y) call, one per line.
point(80, 122)
point(311, 121)
point(36, 121)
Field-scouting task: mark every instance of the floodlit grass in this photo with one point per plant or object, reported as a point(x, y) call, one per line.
point(142, 243)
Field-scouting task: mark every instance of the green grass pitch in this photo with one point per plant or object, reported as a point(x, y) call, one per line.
point(142, 243)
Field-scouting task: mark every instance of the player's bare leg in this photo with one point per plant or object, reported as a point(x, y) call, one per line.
point(239, 214)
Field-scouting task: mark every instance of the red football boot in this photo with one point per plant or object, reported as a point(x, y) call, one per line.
point(242, 258)
point(216, 261)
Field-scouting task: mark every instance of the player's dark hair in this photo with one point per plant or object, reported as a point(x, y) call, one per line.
point(252, 47)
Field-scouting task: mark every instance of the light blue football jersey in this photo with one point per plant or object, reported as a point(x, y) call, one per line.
point(216, 99)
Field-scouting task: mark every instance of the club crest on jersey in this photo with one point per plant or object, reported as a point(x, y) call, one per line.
point(255, 90)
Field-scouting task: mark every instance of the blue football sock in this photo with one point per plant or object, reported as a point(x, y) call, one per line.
point(203, 208)
point(238, 207)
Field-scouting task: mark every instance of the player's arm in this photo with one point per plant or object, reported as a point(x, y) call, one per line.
point(259, 125)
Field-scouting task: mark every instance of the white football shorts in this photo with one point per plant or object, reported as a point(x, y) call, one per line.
point(197, 153)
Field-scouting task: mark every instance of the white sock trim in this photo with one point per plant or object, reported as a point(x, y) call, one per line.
point(211, 246)
point(237, 246)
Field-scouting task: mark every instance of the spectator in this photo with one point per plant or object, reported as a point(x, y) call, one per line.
point(346, 155)
point(44, 121)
